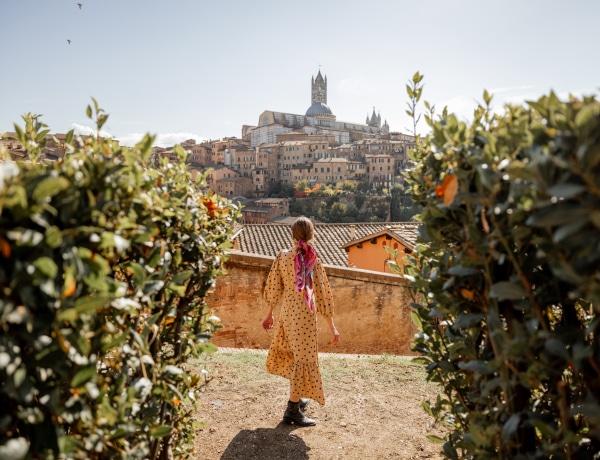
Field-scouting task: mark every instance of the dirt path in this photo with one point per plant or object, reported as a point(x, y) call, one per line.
point(373, 411)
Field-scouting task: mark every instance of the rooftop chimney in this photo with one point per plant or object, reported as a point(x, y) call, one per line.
point(352, 231)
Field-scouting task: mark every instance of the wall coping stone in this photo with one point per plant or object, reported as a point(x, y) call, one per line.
point(240, 258)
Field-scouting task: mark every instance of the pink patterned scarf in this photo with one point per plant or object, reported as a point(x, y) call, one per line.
point(304, 264)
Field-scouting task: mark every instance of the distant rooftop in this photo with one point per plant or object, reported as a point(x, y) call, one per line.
point(269, 239)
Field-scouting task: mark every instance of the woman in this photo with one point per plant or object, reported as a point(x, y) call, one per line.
point(298, 277)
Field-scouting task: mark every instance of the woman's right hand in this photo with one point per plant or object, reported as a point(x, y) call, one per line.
point(267, 323)
point(335, 336)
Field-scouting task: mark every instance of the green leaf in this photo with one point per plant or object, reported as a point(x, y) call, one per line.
point(557, 215)
point(417, 77)
point(53, 237)
point(475, 366)
point(20, 133)
point(506, 290)
point(569, 229)
point(67, 445)
point(139, 274)
point(84, 305)
point(114, 342)
point(544, 428)
point(40, 136)
point(49, 187)
point(565, 271)
point(435, 439)
point(416, 319)
point(161, 431)
point(392, 252)
point(487, 97)
point(152, 287)
point(511, 426)
point(586, 114)
point(465, 320)
point(566, 190)
point(557, 348)
point(460, 270)
point(84, 375)
point(589, 155)
point(102, 119)
point(207, 348)
point(427, 407)
point(19, 376)
point(112, 240)
point(46, 266)
point(119, 433)
point(69, 136)
point(180, 152)
point(595, 218)
point(141, 342)
point(155, 256)
point(183, 276)
point(480, 437)
point(178, 290)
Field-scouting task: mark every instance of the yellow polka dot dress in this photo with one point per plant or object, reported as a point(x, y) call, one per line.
point(293, 353)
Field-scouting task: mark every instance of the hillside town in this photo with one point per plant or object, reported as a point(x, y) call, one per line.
point(286, 148)
point(283, 149)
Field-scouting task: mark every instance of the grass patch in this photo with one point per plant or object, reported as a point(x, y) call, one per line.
point(243, 366)
point(237, 366)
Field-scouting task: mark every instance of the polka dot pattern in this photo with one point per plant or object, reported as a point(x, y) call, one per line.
point(293, 353)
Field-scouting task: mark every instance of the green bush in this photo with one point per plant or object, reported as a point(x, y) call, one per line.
point(105, 261)
point(508, 278)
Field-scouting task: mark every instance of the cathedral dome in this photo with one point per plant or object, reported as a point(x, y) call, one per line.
point(319, 109)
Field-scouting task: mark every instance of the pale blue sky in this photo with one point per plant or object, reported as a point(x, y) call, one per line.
point(194, 68)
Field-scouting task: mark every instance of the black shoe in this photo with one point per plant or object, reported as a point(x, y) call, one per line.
point(303, 403)
point(294, 416)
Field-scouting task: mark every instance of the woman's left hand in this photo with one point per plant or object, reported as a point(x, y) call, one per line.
point(336, 336)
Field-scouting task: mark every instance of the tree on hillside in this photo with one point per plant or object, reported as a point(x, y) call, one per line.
point(285, 190)
point(346, 186)
point(402, 208)
point(302, 186)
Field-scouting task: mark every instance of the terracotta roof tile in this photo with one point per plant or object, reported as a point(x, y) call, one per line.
point(405, 232)
point(269, 239)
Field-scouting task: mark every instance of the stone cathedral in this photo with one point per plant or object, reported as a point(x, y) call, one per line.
point(318, 119)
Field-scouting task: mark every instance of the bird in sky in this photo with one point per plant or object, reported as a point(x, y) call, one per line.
point(80, 5)
point(68, 41)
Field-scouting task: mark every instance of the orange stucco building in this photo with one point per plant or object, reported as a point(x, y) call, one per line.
point(369, 252)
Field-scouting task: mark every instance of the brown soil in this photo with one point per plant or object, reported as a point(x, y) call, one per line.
point(373, 411)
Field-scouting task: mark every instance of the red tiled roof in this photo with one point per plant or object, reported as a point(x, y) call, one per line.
point(269, 239)
point(404, 232)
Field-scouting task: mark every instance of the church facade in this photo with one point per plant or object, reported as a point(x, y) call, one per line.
point(319, 119)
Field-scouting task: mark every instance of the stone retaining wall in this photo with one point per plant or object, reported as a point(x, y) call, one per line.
point(371, 308)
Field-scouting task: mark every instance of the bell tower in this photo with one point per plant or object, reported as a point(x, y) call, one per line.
point(319, 89)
